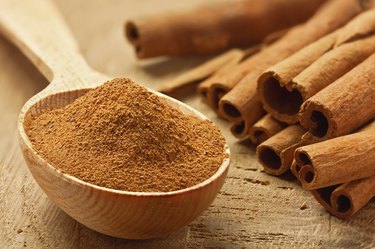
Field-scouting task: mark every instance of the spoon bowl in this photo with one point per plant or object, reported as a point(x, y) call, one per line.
point(122, 214)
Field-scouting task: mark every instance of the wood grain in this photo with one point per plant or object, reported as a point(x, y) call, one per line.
point(254, 210)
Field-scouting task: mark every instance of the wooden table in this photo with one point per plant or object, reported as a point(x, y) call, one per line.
point(253, 210)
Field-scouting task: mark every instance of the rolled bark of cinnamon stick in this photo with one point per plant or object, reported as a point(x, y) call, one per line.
point(201, 72)
point(226, 83)
point(242, 101)
point(350, 197)
point(343, 106)
point(345, 200)
point(276, 153)
point(296, 167)
point(212, 91)
point(337, 160)
point(285, 86)
point(265, 128)
point(213, 28)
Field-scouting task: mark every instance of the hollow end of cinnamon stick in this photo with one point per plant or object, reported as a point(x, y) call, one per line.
point(264, 128)
point(272, 160)
point(258, 135)
point(276, 153)
point(314, 118)
point(131, 32)
point(215, 93)
point(269, 158)
point(302, 158)
point(284, 104)
point(229, 111)
point(342, 204)
point(307, 176)
point(134, 37)
point(303, 169)
point(238, 129)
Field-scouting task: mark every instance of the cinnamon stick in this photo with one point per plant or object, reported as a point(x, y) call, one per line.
point(242, 101)
point(237, 128)
point(213, 28)
point(345, 200)
point(350, 197)
point(285, 86)
point(224, 83)
point(308, 139)
point(335, 161)
point(265, 128)
point(210, 90)
point(343, 106)
point(196, 75)
point(276, 153)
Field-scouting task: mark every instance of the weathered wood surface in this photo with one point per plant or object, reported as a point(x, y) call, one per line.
point(254, 210)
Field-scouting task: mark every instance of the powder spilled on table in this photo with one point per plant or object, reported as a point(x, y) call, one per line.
point(122, 136)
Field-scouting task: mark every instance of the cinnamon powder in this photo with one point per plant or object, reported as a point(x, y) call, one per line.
point(122, 136)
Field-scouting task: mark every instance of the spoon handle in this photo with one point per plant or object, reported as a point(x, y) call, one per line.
point(39, 31)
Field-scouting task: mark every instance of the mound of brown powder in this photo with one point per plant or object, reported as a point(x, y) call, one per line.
point(121, 136)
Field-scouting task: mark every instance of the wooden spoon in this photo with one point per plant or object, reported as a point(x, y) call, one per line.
point(38, 30)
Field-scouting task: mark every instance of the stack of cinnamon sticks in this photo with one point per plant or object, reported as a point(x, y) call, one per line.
point(307, 98)
point(325, 92)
